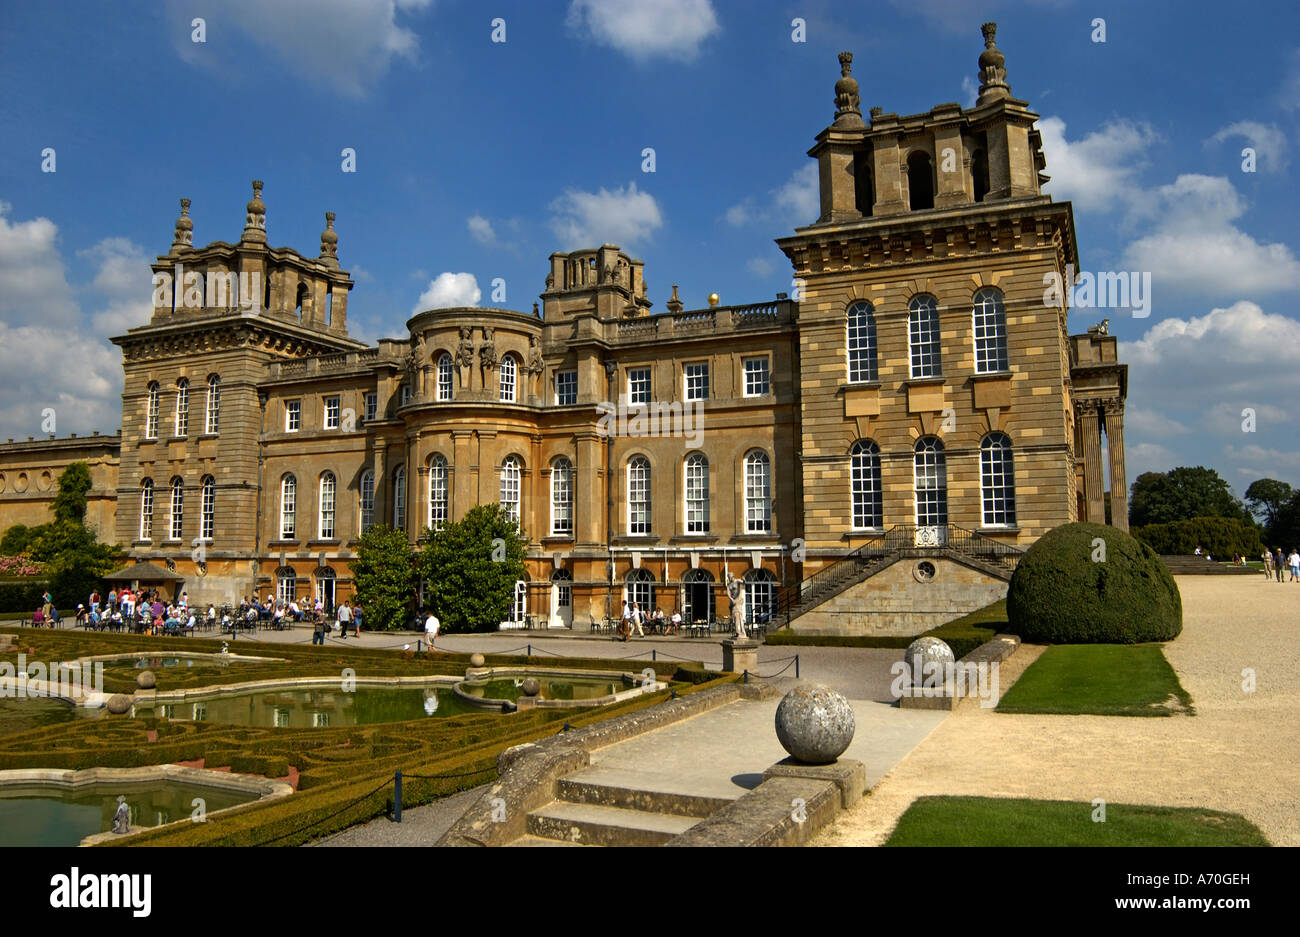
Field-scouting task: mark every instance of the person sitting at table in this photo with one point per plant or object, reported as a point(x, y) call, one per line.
point(675, 623)
point(657, 621)
point(82, 617)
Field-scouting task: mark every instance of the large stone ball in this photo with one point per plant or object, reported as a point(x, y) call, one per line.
point(476, 660)
point(927, 661)
point(531, 686)
point(814, 724)
point(146, 680)
point(118, 703)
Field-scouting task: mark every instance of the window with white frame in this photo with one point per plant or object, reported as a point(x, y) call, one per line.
point(325, 527)
point(862, 342)
point(437, 493)
point(696, 377)
point(923, 336)
point(864, 479)
point(696, 488)
point(510, 481)
point(366, 486)
point(930, 471)
point(641, 590)
point(288, 507)
point(177, 514)
point(207, 507)
point(760, 596)
point(997, 481)
point(182, 407)
point(561, 496)
point(566, 387)
point(212, 419)
point(508, 379)
point(399, 497)
point(404, 395)
point(638, 495)
point(286, 585)
point(292, 416)
point(371, 405)
point(638, 385)
point(990, 321)
point(758, 378)
point(444, 376)
point(758, 493)
point(151, 412)
point(146, 509)
point(331, 412)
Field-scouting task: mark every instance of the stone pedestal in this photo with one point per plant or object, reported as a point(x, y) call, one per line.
point(740, 655)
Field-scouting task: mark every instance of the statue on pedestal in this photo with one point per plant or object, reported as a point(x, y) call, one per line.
point(122, 816)
point(465, 350)
point(736, 592)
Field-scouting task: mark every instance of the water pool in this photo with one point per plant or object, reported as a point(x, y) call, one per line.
point(313, 707)
point(23, 714)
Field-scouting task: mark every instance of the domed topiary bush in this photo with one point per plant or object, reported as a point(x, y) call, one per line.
point(1063, 593)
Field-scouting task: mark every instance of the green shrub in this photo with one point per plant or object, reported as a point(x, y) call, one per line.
point(21, 598)
point(693, 673)
point(1220, 537)
point(1092, 584)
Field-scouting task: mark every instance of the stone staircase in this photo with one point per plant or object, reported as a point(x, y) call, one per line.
point(1200, 566)
point(587, 813)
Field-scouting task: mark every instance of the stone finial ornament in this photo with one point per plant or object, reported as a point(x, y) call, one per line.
point(329, 241)
point(847, 110)
point(184, 236)
point(674, 304)
point(993, 72)
point(255, 226)
point(814, 724)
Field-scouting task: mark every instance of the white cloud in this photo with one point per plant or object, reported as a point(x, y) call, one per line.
point(480, 229)
point(1140, 421)
point(1096, 172)
point(33, 283)
point(647, 29)
point(624, 216)
point(1288, 94)
point(1195, 248)
point(970, 91)
point(760, 267)
point(1268, 141)
point(794, 203)
point(346, 44)
point(125, 280)
point(449, 289)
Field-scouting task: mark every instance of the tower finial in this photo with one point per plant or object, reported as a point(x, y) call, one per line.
point(674, 304)
point(993, 72)
point(184, 236)
point(255, 226)
point(329, 242)
point(847, 112)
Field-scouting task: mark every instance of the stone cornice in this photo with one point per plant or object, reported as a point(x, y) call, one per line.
point(238, 330)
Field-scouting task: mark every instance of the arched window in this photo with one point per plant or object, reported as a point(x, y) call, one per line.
point(437, 493)
point(182, 407)
point(510, 477)
point(146, 509)
point(638, 495)
point(931, 475)
point(923, 336)
point(508, 379)
point(286, 584)
point(519, 607)
point(562, 496)
point(698, 597)
point(864, 470)
point(207, 507)
point(444, 376)
point(325, 525)
point(696, 489)
point(288, 507)
point(862, 342)
point(760, 596)
point(990, 319)
point(640, 589)
point(366, 486)
point(212, 411)
point(997, 481)
point(562, 582)
point(151, 412)
point(758, 493)
point(177, 513)
point(920, 181)
point(399, 497)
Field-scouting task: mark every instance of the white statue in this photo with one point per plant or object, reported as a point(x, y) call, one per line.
point(736, 592)
point(122, 816)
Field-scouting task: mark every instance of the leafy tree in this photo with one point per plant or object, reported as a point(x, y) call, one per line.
point(470, 568)
point(1265, 498)
point(15, 540)
point(1284, 532)
point(70, 502)
point(1181, 494)
point(384, 577)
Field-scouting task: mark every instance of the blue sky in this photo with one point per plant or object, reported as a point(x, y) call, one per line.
point(480, 157)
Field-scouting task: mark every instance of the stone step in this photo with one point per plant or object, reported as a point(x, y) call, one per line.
point(578, 791)
point(530, 840)
point(593, 824)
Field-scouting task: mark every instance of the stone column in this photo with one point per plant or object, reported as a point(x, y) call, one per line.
point(588, 505)
point(412, 491)
point(383, 511)
point(1114, 412)
point(460, 491)
point(1093, 484)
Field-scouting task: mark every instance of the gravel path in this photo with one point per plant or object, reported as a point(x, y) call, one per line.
point(1240, 753)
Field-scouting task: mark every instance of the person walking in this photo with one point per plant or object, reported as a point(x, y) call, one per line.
point(1278, 563)
point(1294, 562)
point(345, 618)
point(431, 626)
point(636, 620)
point(1268, 564)
point(318, 629)
point(356, 619)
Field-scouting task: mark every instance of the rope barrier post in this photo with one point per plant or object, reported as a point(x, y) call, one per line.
point(397, 796)
point(653, 654)
point(530, 650)
point(745, 677)
point(796, 666)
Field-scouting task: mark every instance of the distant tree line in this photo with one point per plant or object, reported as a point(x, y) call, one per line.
point(1177, 511)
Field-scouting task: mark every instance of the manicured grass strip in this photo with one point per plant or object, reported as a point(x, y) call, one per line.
point(999, 821)
point(1099, 680)
point(963, 634)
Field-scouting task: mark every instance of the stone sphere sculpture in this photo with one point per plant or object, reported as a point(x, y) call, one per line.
point(118, 703)
point(927, 661)
point(814, 724)
point(531, 686)
point(476, 660)
point(146, 680)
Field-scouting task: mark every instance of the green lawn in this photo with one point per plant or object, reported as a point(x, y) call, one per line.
point(1099, 680)
point(999, 821)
